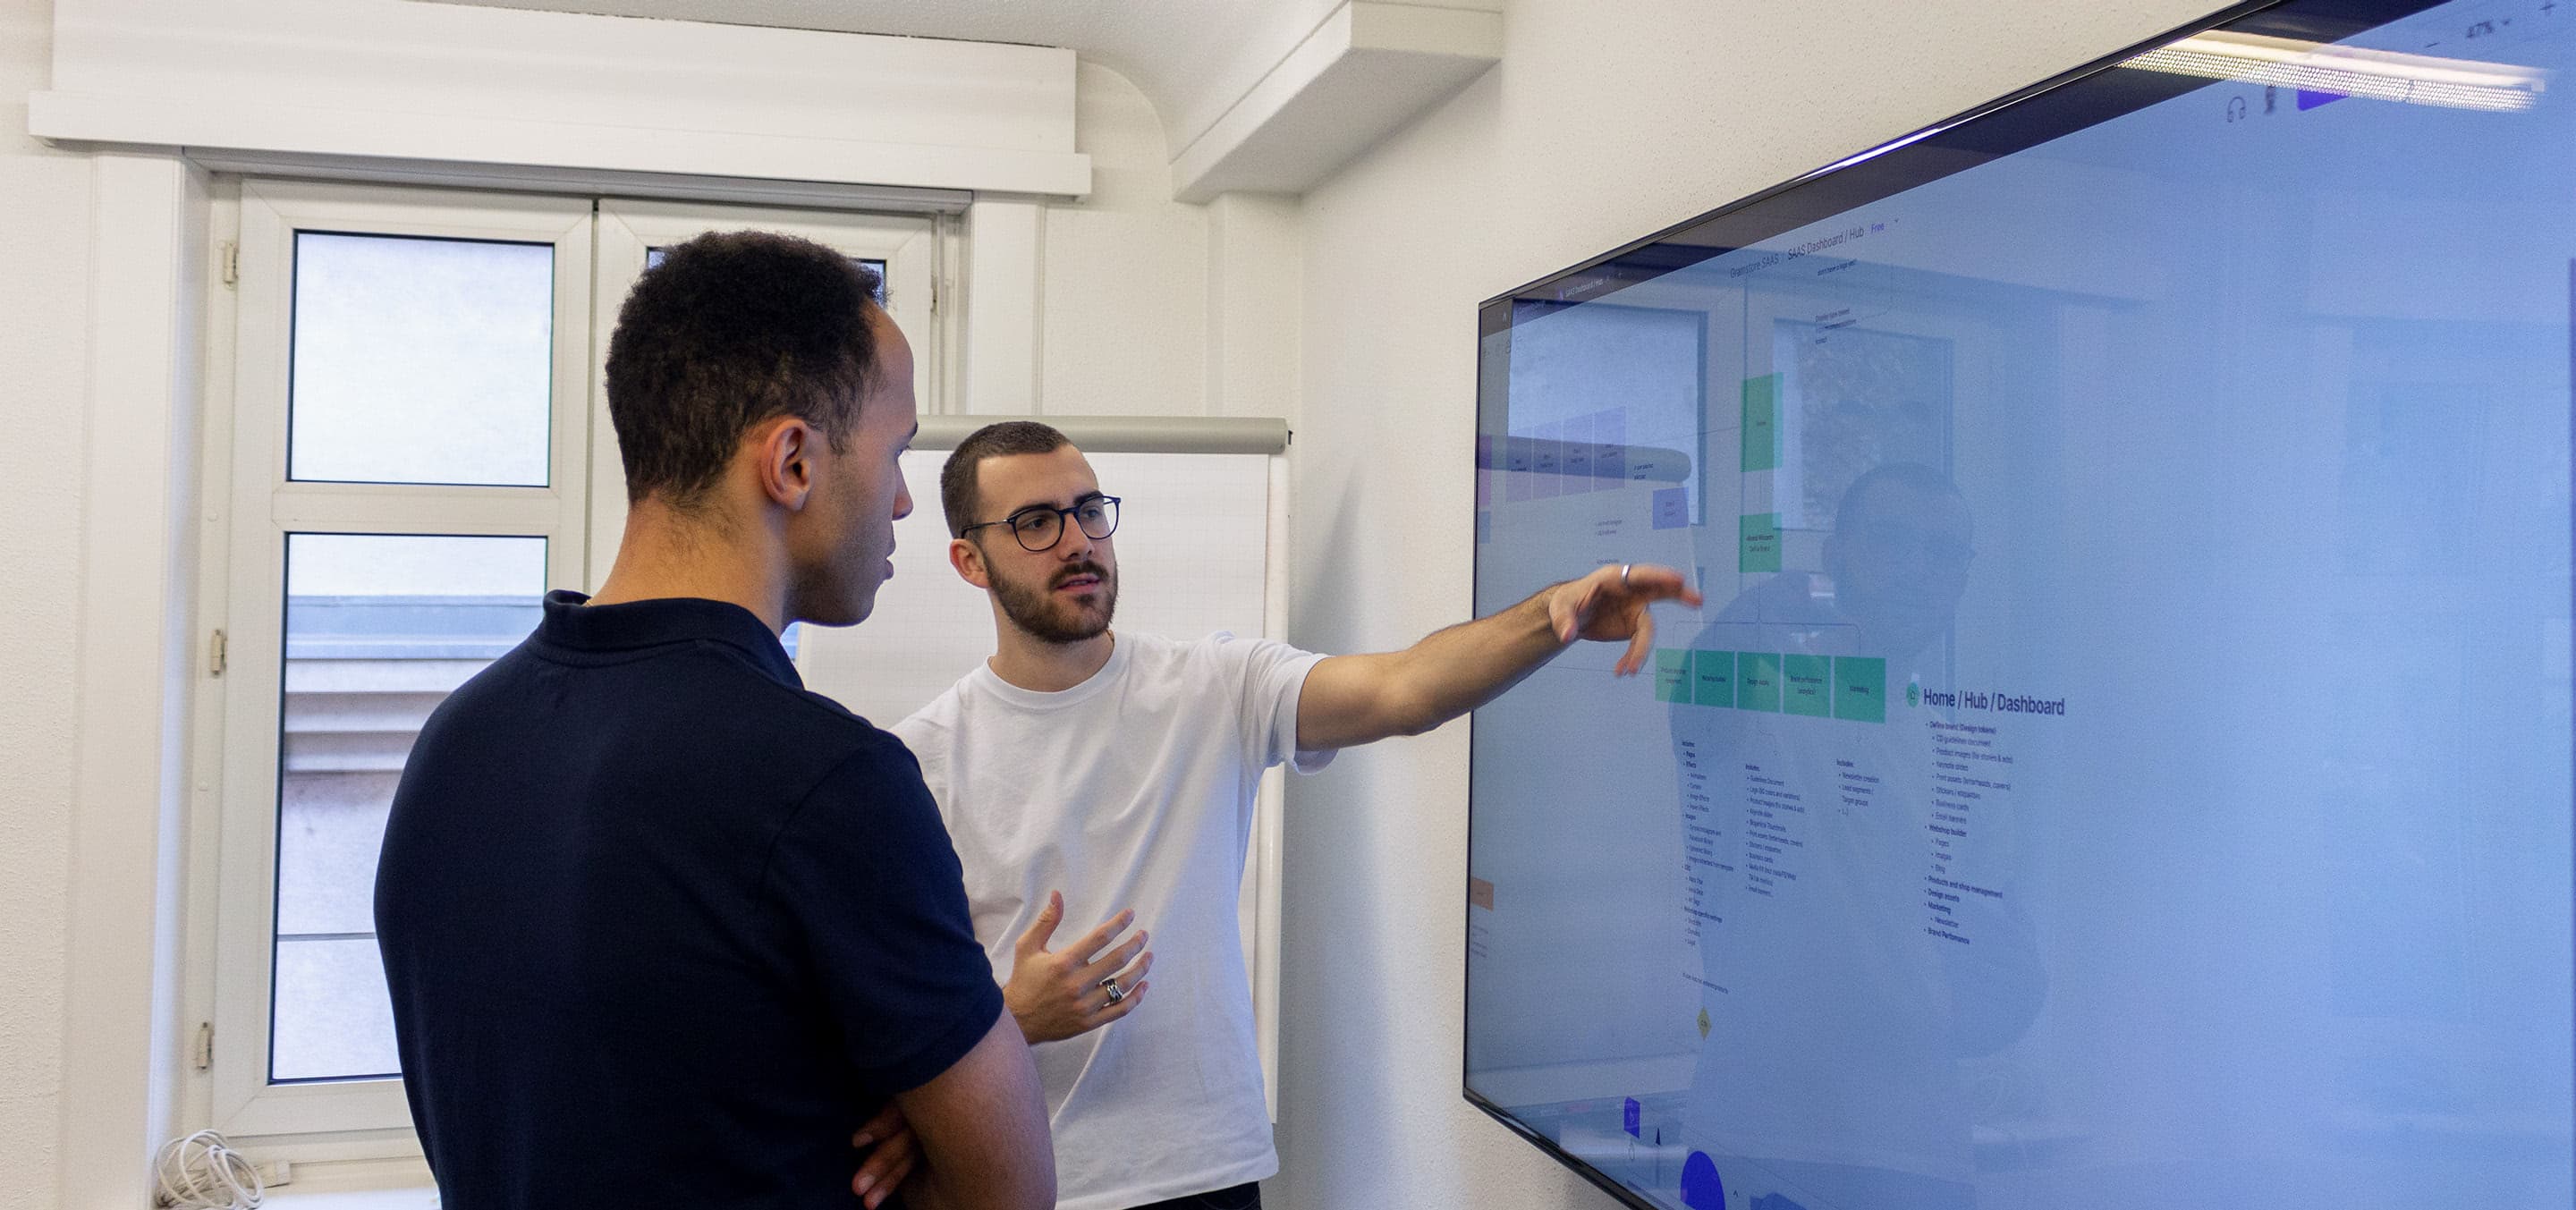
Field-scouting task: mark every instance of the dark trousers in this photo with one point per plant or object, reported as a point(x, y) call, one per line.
point(1241, 1197)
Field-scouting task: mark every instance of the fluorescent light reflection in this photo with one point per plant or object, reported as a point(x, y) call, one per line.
point(2323, 67)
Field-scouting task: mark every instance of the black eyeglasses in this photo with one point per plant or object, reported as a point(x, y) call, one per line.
point(1040, 527)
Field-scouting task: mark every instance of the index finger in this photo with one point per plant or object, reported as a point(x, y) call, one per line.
point(1091, 943)
point(1658, 582)
point(1118, 956)
point(887, 1122)
point(886, 1168)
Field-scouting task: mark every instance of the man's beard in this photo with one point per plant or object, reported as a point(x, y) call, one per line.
point(1050, 620)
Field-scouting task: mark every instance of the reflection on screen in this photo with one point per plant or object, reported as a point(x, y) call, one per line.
point(2124, 759)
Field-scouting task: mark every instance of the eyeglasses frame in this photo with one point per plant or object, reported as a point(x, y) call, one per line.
point(1065, 516)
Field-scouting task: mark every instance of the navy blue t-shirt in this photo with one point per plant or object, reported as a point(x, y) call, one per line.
point(662, 927)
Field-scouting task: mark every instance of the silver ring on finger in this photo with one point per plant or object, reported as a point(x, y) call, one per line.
point(1623, 574)
point(1110, 985)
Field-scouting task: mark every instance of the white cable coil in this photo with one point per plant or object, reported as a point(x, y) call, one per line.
point(202, 1172)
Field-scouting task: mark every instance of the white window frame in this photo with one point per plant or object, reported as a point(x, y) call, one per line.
point(267, 506)
point(907, 243)
point(599, 249)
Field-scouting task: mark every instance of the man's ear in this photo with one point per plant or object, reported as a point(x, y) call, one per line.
point(969, 562)
point(782, 453)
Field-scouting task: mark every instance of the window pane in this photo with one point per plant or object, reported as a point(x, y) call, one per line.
point(334, 1020)
point(421, 360)
point(379, 628)
point(653, 260)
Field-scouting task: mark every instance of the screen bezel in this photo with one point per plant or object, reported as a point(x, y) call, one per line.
point(2085, 96)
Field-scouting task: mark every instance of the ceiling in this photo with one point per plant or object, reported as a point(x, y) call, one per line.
point(1193, 59)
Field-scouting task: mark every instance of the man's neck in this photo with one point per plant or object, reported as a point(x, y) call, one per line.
point(664, 555)
point(1032, 663)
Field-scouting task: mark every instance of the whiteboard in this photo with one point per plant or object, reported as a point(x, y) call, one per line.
point(1192, 543)
point(1199, 550)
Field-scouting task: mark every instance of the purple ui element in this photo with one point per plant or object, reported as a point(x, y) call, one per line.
point(1672, 508)
point(1701, 1190)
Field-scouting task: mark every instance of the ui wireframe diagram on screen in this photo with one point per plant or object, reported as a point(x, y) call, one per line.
point(2124, 758)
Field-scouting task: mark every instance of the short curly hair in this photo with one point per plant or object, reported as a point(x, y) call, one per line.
point(957, 498)
point(732, 329)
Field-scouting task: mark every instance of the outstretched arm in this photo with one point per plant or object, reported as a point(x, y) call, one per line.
point(1359, 699)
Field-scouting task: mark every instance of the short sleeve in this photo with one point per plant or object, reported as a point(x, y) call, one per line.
point(872, 886)
point(1273, 680)
point(921, 735)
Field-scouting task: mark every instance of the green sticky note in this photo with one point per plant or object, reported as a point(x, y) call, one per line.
point(1806, 685)
point(1758, 543)
point(1860, 688)
point(1672, 675)
point(1757, 681)
point(1762, 423)
point(1713, 678)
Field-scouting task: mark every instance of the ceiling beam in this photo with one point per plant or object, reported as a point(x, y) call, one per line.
point(1367, 69)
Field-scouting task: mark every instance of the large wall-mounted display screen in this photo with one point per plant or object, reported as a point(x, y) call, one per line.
point(2124, 758)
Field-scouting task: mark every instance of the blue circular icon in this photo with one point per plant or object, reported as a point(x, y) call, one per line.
point(1701, 1190)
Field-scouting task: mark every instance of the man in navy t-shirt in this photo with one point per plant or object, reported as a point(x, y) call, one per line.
point(663, 928)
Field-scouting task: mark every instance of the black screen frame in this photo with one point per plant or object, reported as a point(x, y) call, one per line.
point(2085, 96)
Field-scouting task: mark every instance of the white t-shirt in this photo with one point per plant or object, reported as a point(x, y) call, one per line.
point(1132, 789)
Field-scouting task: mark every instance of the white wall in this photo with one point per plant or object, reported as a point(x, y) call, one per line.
point(1152, 307)
point(1122, 320)
point(44, 242)
point(1603, 123)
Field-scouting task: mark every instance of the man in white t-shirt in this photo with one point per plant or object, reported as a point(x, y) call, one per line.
point(1082, 771)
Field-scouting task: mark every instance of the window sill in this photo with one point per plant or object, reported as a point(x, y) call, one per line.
point(402, 1185)
point(294, 1197)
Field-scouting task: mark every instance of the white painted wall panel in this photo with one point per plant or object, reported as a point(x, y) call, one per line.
point(44, 239)
point(1124, 292)
point(451, 82)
